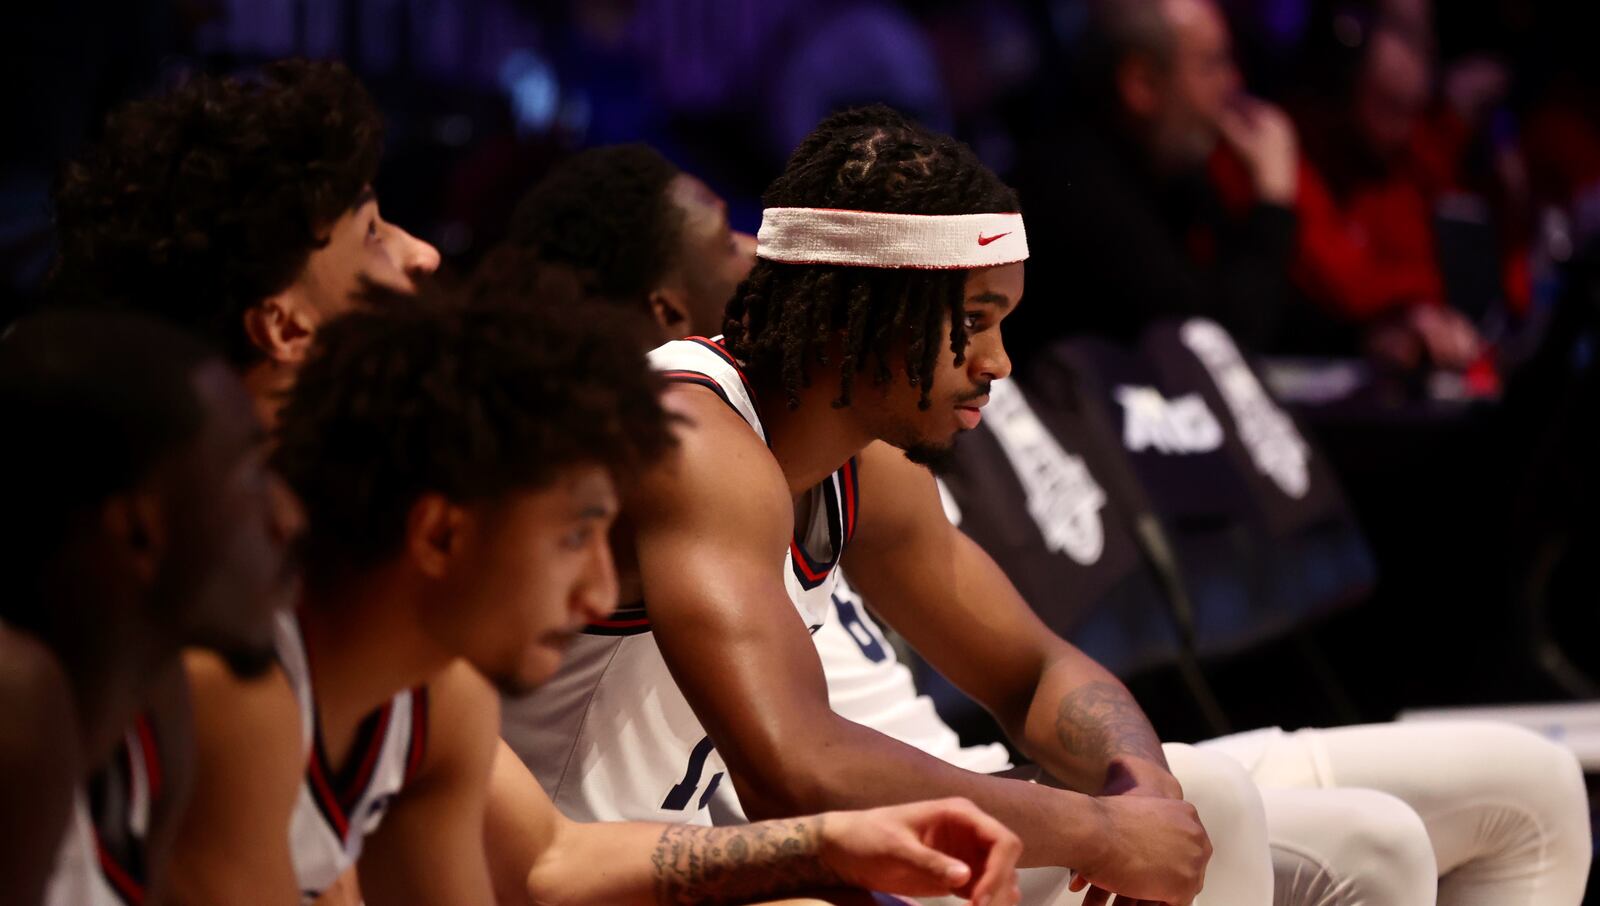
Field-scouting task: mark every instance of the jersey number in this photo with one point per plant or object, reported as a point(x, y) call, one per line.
point(678, 797)
point(851, 620)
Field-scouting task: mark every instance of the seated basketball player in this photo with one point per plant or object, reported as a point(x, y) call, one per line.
point(636, 231)
point(1370, 838)
point(242, 209)
point(140, 518)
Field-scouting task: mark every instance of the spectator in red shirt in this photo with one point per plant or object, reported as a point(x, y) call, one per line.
point(1373, 177)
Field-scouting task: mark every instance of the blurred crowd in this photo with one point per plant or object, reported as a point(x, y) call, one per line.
point(1377, 178)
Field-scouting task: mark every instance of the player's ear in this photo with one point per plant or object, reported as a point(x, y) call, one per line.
point(135, 523)
point(281, 326)
point(435, 530)
point(669, 307)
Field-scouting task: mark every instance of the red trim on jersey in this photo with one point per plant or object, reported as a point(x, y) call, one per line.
point(323, 793)
point(419, 732)
point(848, 481)
point(152, 755)
point(802, 560)
point(723, 353)
point(358, 784)
point(131, 891)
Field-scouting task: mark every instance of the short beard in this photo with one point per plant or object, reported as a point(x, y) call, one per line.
point(937, 457)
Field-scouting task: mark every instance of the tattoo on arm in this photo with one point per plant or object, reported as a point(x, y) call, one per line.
point(723, 864)
point(1101, 720)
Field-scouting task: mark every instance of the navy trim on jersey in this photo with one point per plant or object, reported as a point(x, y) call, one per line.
point(681, 376)
point(723, 353)
point(811, 571)
point(336, 793)
point(126, 870)
point(128, 889)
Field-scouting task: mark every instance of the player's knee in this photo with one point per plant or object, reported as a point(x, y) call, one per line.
point(1380, 839)
point(1221, 790)
point(1532, 774)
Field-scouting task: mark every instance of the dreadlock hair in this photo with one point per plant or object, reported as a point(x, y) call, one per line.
point(605, 214)
point(198, 204)
point(469, 401)
point(785, 317)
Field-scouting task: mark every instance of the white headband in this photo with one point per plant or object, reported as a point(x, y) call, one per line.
point(876, 239)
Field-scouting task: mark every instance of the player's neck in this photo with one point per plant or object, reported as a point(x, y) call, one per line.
point(110, 670)
point(365, 646)
point(269, 383)
point(813, 441)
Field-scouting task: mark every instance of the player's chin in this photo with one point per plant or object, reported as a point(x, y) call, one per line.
point(541, 662)
point(248, 660)
point(933, 452)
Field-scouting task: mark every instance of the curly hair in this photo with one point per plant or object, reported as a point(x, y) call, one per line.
point(198, 204)
point(605, 213)
point(784, 317)
point(472, 402)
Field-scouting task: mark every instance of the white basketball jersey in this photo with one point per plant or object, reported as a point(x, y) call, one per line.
point(610, 737)
point(337, 809)
point(868, 684)
point(88, 871)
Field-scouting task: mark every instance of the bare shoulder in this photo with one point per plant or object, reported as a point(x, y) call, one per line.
point(40, 762)
point(720, 469)
point(38, 718)
point(32, 682)
point(463, 720)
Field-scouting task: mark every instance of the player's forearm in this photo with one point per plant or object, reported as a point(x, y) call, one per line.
point(848, 766)
point(1082, 721)
point(647, 864)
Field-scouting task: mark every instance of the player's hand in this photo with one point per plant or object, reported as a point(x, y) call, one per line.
point(925, 849)
point(1155, 851)
point(1265, 138)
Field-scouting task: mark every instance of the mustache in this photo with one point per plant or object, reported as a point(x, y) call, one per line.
point(978, 392)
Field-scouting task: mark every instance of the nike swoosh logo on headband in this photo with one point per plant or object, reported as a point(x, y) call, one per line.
point(985, 240)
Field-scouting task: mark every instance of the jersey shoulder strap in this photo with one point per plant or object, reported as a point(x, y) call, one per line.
point(703, 361)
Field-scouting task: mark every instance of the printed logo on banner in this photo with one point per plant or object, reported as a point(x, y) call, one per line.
point(1178, 426)
point(1063, 497)
point(1274, 444)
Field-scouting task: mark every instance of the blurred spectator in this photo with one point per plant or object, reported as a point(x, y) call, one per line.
point(1126, 223)
point(1404, 201)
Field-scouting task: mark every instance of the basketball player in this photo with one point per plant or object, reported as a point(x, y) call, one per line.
point(240, 208)
point(140, 519)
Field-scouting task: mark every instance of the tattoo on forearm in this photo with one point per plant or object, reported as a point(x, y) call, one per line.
point(723, 864)
point(1101, 719)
